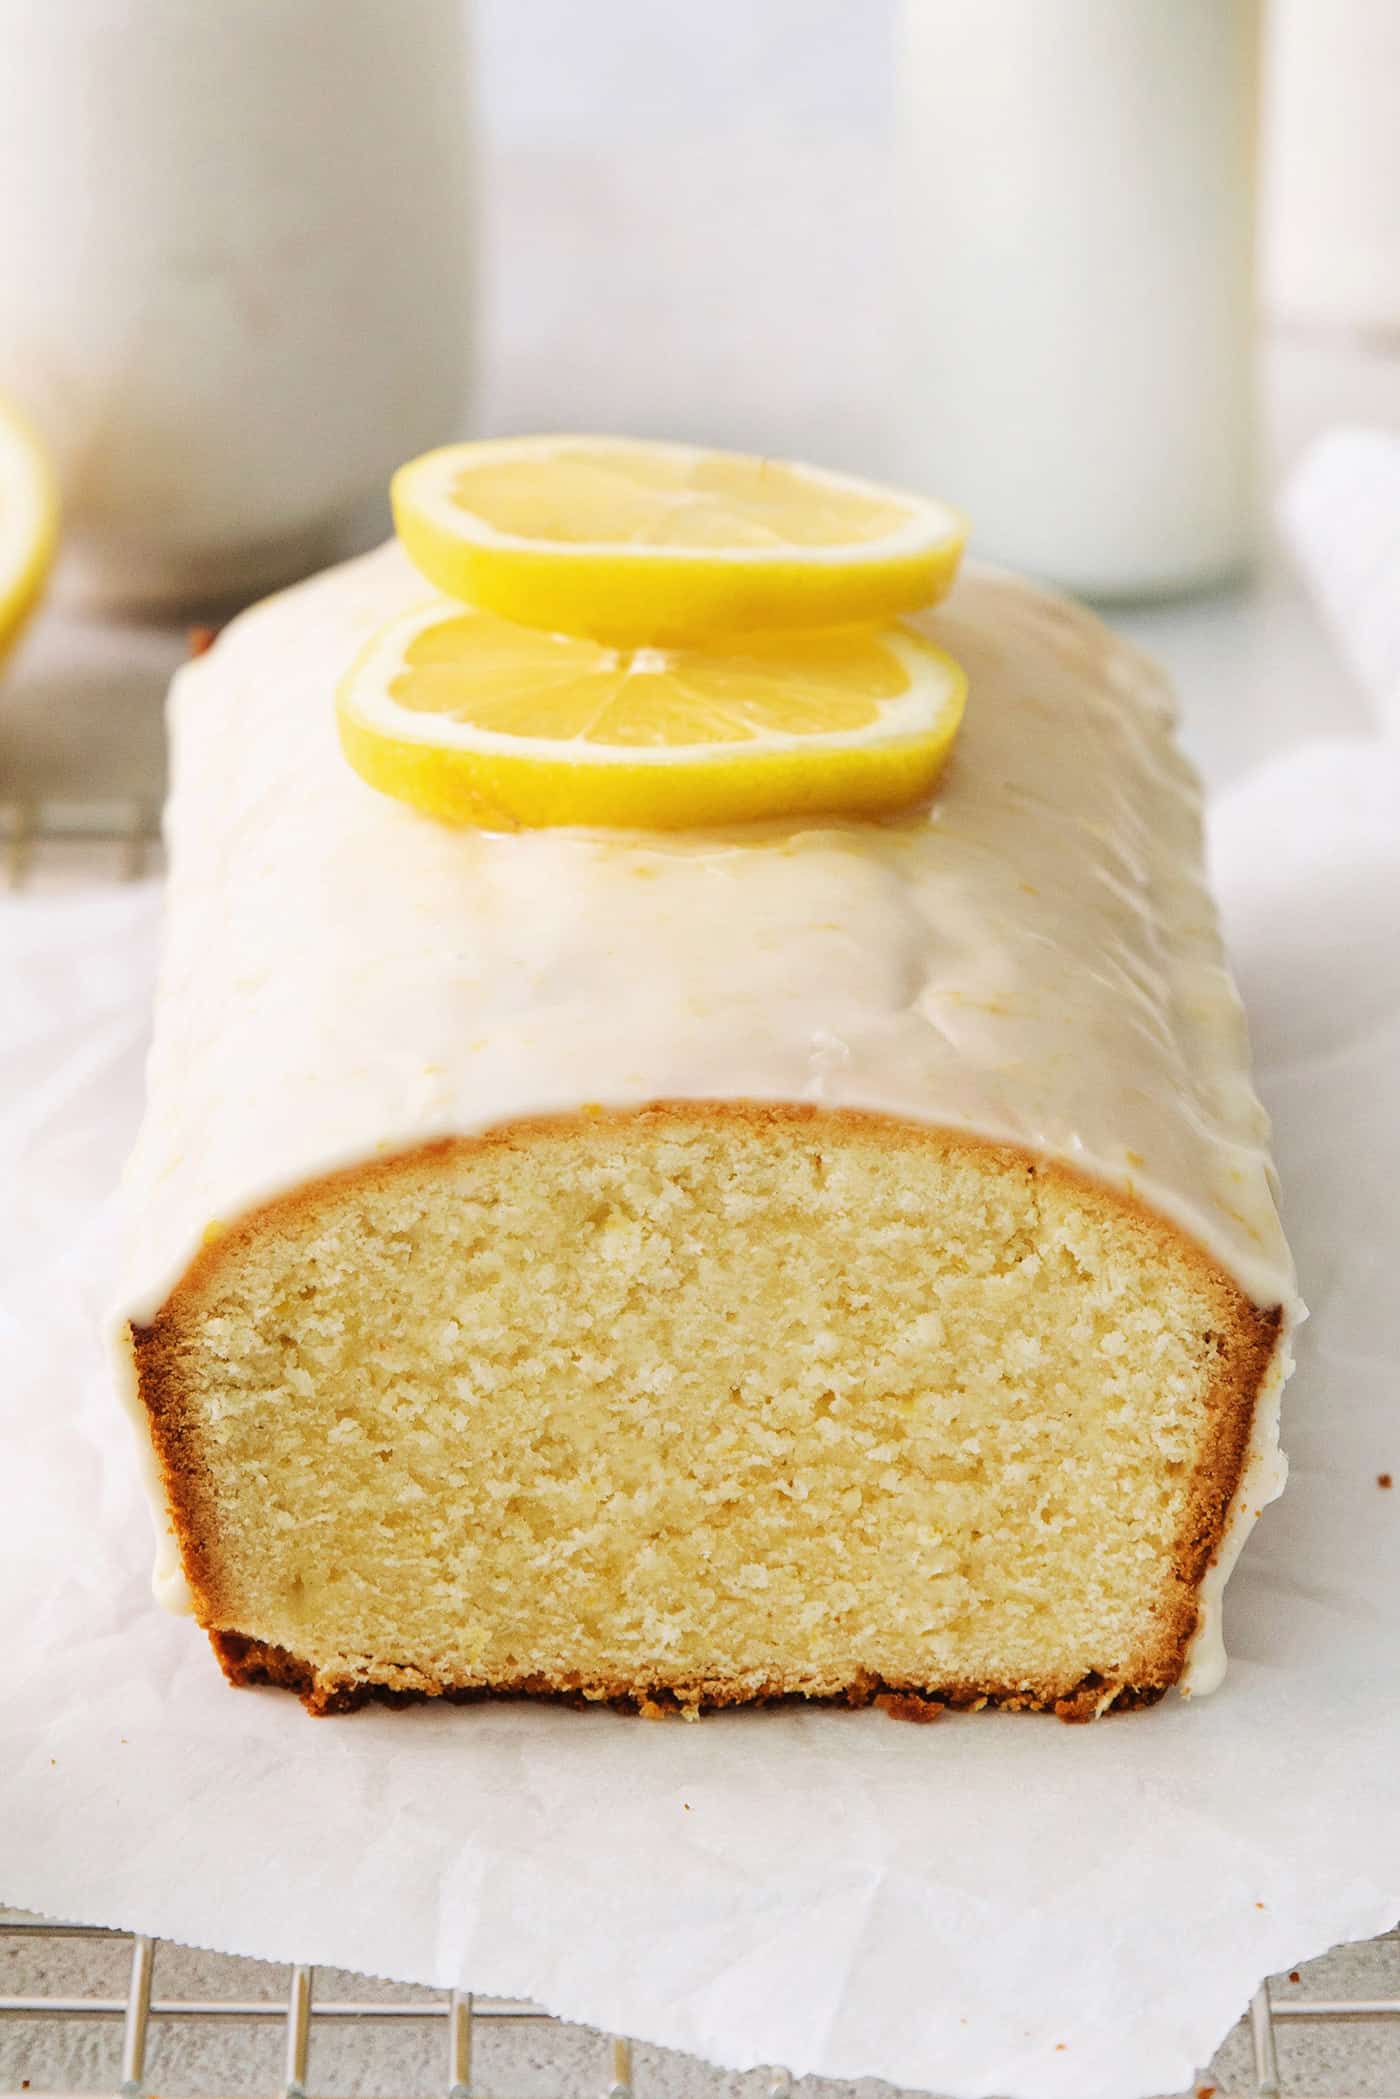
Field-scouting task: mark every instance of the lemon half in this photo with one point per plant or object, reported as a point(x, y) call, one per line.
point(475, 720)
point(636, 542)
point(28, 524)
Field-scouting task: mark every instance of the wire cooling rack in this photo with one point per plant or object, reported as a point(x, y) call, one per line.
point(448, 2026)
point(50, 842)
point(54, 842)
point(454, 2016)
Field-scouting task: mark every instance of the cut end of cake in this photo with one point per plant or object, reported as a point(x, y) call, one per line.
point(704, 1404)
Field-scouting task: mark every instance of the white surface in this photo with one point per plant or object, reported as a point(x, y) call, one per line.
point(1341, 511)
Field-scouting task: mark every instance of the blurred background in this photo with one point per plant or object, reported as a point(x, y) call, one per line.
point(1099, 271)
point(256, 242)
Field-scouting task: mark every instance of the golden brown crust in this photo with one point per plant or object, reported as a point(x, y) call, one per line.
point(1244, 1346)
point(254, 1662)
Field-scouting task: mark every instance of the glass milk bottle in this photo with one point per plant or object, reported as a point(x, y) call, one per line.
point(1077, 199)
point(236, 272)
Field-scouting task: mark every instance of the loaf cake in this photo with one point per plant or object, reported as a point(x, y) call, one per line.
point(834, 1259)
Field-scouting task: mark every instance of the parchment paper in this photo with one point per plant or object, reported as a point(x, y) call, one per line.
point(993, 1904)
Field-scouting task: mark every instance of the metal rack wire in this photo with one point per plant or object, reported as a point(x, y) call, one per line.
point(460, 2016)
point(120, 841)
point(114, 840)
point(458, 2011)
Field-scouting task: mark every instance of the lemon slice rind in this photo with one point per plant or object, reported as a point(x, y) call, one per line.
point(464, 774)
point(28, 524)
point(638, 591)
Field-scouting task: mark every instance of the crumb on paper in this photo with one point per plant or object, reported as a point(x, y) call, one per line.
point(1383, 1479)
point(1205, 2091)
point(1294, 1976)
point(908, 1705)
point(1259, 1905)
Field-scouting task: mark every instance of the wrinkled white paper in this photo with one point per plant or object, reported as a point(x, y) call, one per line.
point(994, 1904)
point(1341, 513)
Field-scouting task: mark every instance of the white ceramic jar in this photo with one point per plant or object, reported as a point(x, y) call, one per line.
point(236, 271)
point(1077, 198)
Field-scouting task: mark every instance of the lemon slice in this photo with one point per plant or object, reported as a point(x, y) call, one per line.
point(475, 720)
point(639, 542)
point(28, 524)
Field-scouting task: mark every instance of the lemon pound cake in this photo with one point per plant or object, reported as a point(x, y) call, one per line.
point(832, 1257)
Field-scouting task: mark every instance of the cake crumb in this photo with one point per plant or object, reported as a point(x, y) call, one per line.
point(907, 1705)
point(656, 1223)
point(1383, 1479)
point(1205, 2091)
point(202, 640)
point(1294, 1976)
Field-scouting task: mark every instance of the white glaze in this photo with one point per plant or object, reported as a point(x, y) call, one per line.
point(1036, 960)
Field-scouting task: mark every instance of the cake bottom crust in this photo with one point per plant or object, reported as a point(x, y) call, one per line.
point(247, 1662)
